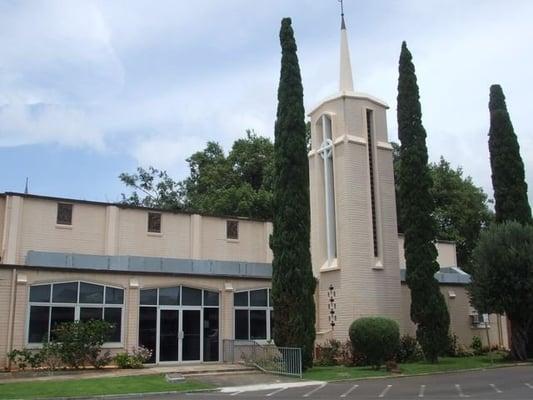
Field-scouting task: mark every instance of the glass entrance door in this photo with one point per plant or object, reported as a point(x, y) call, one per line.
point(169, 324)
point(192, 335)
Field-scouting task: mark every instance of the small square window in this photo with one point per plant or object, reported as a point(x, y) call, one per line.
point(64, 214)
point(232, 229)
point(154, 222)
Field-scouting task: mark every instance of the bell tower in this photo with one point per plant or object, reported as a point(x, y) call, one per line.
point(354, 236)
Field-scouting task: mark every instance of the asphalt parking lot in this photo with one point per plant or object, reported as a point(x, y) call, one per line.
point(499, 383)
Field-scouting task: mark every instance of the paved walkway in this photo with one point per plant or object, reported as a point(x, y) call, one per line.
point(204, 370)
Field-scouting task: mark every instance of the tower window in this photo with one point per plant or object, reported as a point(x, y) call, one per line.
point(64, 214)
point(370, 134)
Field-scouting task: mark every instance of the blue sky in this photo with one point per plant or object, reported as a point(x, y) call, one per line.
point(89, 89)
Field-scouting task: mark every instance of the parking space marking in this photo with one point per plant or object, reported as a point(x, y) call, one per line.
point(276, 391)
point(460, 391)
point(529, 385)
point(492, 385)
point(422, 390)
point(349, 390)
point(384, 393)
point(235, 393)
point(315, 390)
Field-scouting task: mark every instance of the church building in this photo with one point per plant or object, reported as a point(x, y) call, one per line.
point(182, 284)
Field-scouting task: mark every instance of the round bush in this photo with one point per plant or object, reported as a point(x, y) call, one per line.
point(378, 338)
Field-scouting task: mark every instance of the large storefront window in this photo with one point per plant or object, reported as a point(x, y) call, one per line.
point(54, 303)
point(253, 310)
point(179, 324)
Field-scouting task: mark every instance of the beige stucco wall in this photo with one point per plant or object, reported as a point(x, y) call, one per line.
point(29, 223)
point(460, 323)
point(32, 276)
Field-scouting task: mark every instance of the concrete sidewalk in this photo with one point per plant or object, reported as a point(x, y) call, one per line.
point(203, 370)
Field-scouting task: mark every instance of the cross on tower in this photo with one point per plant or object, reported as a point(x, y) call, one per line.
point(326, 152)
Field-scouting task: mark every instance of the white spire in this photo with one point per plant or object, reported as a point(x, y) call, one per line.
point(346, 79)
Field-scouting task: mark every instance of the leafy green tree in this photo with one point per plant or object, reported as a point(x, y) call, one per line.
point(508, 177)
point(428, 309)
point(502, 278)
point(293, 284)
point(239, 184)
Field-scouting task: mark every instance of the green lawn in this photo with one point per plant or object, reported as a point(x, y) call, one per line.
point(94, 387)
point(445, 364)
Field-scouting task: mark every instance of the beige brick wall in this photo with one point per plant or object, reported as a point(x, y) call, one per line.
point(460, 324)
point(131, 299)
point(447, 256)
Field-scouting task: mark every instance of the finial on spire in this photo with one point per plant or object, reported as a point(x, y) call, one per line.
point(26, 191)
point(343, 24)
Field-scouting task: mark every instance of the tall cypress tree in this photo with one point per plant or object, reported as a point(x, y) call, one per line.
point(428, 308)
point(508, 182)
point(508, 177)
point(293, 284)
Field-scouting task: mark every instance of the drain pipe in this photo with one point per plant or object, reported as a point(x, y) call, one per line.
point(11, 318)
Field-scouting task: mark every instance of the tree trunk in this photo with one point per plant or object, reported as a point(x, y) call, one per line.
point(519, 340)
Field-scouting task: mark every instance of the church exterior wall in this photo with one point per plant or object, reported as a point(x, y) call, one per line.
point(446, 257)
point(27, 276)
point(458, 304)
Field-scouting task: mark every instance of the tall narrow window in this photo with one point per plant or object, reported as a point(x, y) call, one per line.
point(370, 134)
point(154, 222)
point(326, 152)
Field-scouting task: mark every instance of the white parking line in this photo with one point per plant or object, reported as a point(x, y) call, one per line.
point(460, 391)
point(276, 391)
point(235, 393)
point(529, 385)
point(349, 390)
point(384, 393)
point(315, 390)
point(492, 385)
point(422, 390)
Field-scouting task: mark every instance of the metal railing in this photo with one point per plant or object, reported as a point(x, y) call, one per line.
point(266, 357)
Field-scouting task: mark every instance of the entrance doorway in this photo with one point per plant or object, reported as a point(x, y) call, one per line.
point(179, 324)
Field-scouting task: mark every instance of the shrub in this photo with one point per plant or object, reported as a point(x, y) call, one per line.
point(329, 353)
point(24, 358)
point(477, 345)
point(409, 350)
point(135, 359)
point(377, 338)
point(81, 343)
point(51, 356)
point(452, 347)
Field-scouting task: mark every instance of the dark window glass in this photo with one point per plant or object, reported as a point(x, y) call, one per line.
point(191, 297)
point(258, 298)
point(114, 316)
point(149, 297)
point(38, 329)
point(154, 222)
point(241, 325)
point(90, 313)
point(211, 334)
point(232, 229)
point(210, 298)
point(40, 293)
point(169, 296)
point(64, 214)
point(240, 299)
point(258, 327)
point(65, 292)
point(270, 297)
point(114, 295)
point(148, 329)
point(90, 293)
point(58, 316)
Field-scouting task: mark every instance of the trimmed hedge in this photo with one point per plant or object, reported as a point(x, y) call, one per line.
point(378, 338)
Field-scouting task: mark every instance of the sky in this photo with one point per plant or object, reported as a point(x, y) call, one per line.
point(90, 89)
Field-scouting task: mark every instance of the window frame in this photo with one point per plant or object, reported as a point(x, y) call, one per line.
point(268, 311)
point(148, 226)
point(77, 306)
point(62, 204)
